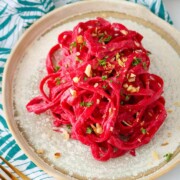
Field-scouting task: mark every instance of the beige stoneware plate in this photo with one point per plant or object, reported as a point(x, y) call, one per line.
point(28, 57)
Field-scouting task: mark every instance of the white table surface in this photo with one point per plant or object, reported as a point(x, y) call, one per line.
point(173, 7)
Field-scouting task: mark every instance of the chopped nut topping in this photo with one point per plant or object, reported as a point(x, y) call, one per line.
point(120, 63)
point(169, 110)
point(169, 134)
point(40, 151)
point(137, 44)
point(177, 104)
point(96, 85)
point(124, 32)
point(73, 92)
point(125, 85)
point(76, 79)
point(132, 75)
point(155, 155)
point(110, 111)
point(80, 39)
point(66, 134)
point(124, 59)
point(97, 101)
point(57, 155)
point(164, 144)
point(88, 70)
point(130, 88)
point(117, 56)
point(131, 79)
point(77, 53)
point(97, 129)
point(150, 114)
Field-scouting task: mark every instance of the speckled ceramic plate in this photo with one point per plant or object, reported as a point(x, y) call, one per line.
point(76, 162)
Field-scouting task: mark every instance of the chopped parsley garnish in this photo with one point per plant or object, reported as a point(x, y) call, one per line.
point(104, 77)
point(122, 102)
point(56, 68)
point(136, 61)
point(69, 126)
point(78, 59)
point(127, 98)
point(86, 104)
point(110, 80)
point(104, 86)
point(106, 40)
point(144, 131)
point(144, 65)
point(73, 44)
point(89, 130)
point(58, 81)
point(82, 45)
point(102, 62)
point(85, 78)
point(168, 156)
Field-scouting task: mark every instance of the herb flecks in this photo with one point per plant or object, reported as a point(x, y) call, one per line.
point(86, 104)
point(73, 44)
point(168, 156)
point(78, 59)
point(144, 65)
point(102, 62)
point(69, 126)
point(58, 81)
point(56, 68)
point(143, 130)
point(104, 77)
point(136, 61)
point(104, 86)
point(107, 39)
point(89, 130)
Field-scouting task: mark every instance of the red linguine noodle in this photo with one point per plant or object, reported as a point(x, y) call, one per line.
point(98, 84)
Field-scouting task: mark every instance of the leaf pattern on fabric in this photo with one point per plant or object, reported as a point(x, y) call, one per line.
point(15, 17)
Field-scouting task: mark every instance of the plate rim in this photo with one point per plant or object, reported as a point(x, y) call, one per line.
point(6, 83)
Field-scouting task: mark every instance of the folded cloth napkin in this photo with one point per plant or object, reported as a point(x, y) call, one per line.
point(15, 17)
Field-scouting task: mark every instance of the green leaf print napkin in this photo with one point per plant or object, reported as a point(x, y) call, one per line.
point(15, 17)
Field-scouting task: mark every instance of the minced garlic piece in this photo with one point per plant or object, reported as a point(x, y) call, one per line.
point(110, 111)
point(117, 56)
point(76, 79)
point(40, 151)
point(124, 32)
point(97, 101)
point(96, 85)
point(73, 92)
point(65, 134)
point(155, 155)
point(132, 75)
point(137, 44)
point(130, 88)
point(131, 79)
point(88, 70)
